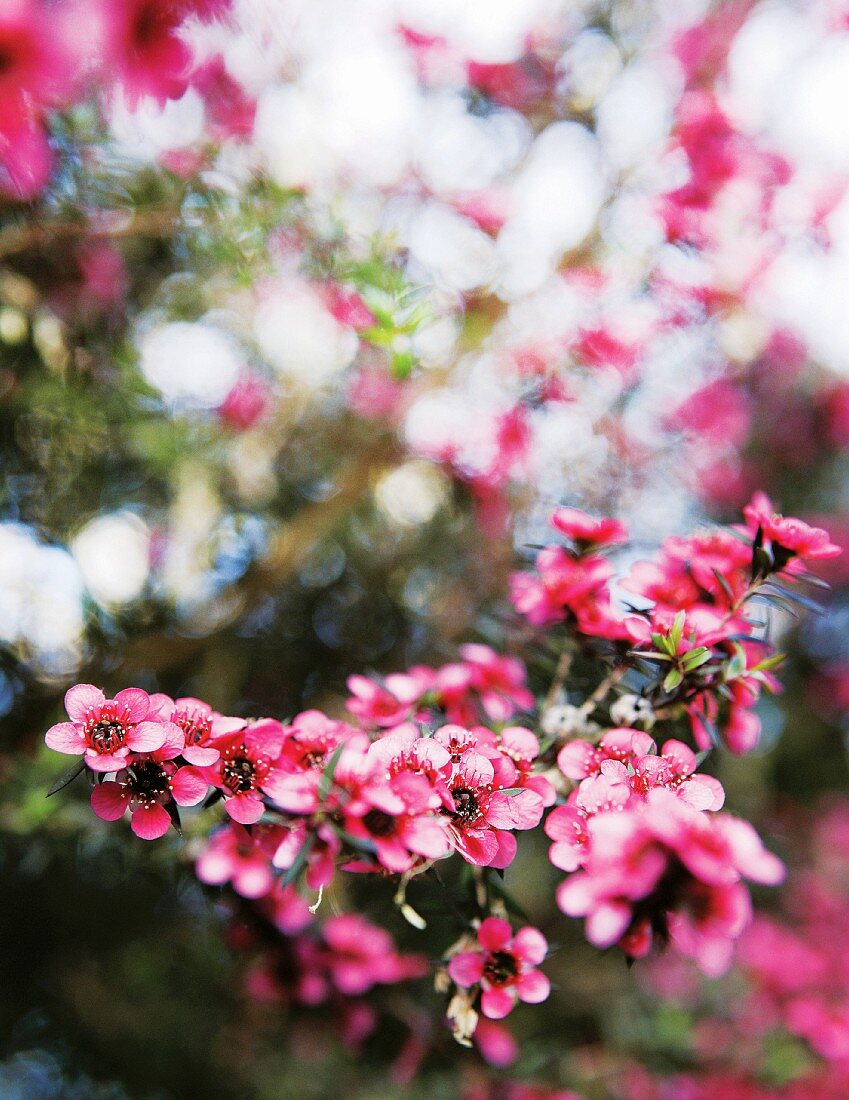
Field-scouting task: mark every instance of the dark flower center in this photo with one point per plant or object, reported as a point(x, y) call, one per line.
point(107, 735)
point(147, 780)
point(465, 804)
point(378, 823)
point(500, 966)
point(239, 774)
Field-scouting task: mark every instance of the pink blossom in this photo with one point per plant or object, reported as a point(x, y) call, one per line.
point(105, 731)
point(361, 955)
point(246, 403)
point(234, 855)
point(201, 726)
point(586, 530)
point(505, 967)
point(248, 768)
point(147, 784)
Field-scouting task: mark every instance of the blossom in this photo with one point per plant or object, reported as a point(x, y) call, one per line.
point(201, 725)
point(148, 784)
point(505, 967)
point(586, 530)
point(479, 816)
point(232, 854)
point(664, 870)
point(145, 49)
point(105, 731)
point(787, 537)
point(34, 74)
point(360, 955)
point(248, 768)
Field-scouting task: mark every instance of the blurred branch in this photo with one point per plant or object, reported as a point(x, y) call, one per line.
point(149, 223)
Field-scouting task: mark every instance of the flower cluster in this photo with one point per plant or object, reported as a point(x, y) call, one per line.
point(651, 858)
point(481, 686)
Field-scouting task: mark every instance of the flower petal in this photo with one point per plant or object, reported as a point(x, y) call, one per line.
point(109, 801)
point(188, 787)
point(150, 822)
point(245, 808)
point(466, 969)
point(530, 945)
point(65, 737)
point(105, 762)
point(494, 933)
point(147, 736)
point(203, 757)
point(80, 698)
point(533, 987)
point(496, 1003)
point(136, 701)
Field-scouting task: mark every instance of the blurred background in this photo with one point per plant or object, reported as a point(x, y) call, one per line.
point(310, 313)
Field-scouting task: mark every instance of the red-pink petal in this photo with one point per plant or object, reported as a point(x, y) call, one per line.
point(109, 801)
point(245, 808)
point(496, 1003)
point(188, 787)
point(533, 988)
point(530, 945)
point(466, 969)
point(505, 852)
point(522, 810)
point(105, 762)
point(174, 742)
point(253, 880)
point(202, 757)
point(151, 822)
point(494, 933)
point(65, 737)
point(79, 698)
point(136, 701)
point(146, 737)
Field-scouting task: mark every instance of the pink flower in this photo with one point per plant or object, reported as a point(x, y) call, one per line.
point(105, 731)
point(230, 109)
point(245, 404)
point(232, 854)
point(361, 955)
point(499, 681)
point(376, 705)
point(787, 537)
point(479, 816)
point(248, 768)
point(35, 72)
point(201, 726)
point(663, 869)
point(586, 530)
point(147, 785)
point(143, 42)
point(504, 966)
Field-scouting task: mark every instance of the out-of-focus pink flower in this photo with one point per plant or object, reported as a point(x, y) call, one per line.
point(144, 47)
point(246, 403)
point(230, 110)
point(234, 855)
point(505, 967)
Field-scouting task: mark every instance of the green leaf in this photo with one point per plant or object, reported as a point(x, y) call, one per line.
point(737, 664)
point(696, 658)
point(68, 777)
point(673, 679)
point(677, 630)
